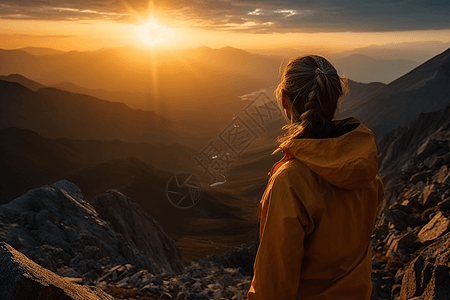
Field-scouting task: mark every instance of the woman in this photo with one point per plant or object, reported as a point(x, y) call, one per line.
point(319, 208)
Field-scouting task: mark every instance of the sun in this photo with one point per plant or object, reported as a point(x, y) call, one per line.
point(153, 33)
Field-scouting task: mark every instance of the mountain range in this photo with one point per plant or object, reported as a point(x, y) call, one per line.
point(55, 113)
point(48, 134)
point(213, 77)
point(116, 155)
point(424, 89)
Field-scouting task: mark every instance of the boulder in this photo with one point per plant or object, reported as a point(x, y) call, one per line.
point(430, 196)
point(442, 175)
point(139, 230)
point(427, 277)
point(401, 245)
point(400, 219)
point(21, 278)
point(431, 161)
point(438, 225)
point(426, 150)
point(444, 204)
point(58, 229)
point(420, 176)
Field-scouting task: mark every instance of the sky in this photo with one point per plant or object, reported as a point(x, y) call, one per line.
point(94, 24)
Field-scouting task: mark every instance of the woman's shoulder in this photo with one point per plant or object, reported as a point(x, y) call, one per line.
point(291, 170)
point(293, 175)
point(295, 183)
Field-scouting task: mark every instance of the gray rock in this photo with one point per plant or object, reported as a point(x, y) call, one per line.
point(400, 219)
point(139, 230)
point(426, 150)
point(428, 276)
point(21, 278)
point(444, 204)
point(430, 161)
point(421, 176)
point(401, 245)
point(446, 158)
point(60, 230)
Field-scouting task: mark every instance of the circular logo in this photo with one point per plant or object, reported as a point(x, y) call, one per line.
point(184, 190)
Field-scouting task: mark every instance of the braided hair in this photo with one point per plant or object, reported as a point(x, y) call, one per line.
point(314, 89)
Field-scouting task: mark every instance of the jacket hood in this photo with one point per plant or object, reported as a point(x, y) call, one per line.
point(349, 160)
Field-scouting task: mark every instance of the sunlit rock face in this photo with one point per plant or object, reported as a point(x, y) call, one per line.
point(21, 278)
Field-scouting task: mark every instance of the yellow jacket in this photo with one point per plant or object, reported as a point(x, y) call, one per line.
point(317, 216)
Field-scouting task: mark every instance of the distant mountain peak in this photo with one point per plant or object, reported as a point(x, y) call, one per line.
point(22, 80)
point(38, 51)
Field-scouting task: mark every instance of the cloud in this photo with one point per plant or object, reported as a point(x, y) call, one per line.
point(60, 10)
point(248, 15)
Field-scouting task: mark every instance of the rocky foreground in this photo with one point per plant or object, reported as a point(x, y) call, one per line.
point(114, 249)
point(411, 242)
point(111, 245)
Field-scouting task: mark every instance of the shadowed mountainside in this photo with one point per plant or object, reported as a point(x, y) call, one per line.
point(29, 160)
point(54, 113)
point(424, 89)
point(367, 69)
point(135, 100)
point(28, 83)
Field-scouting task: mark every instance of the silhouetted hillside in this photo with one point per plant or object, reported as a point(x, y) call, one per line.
point(417, 51)
point(28, 83)
point(54, 113)
point(41, 51)
point(136, 100)
point(357, 93)
point(28, 160)
point(189, 81)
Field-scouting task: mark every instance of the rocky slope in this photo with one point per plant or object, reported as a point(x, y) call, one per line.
point(424, 89)
point(411, 239)
point(21, 278)
point(114, 245)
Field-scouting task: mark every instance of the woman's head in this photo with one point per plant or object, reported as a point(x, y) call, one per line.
point(308, 94)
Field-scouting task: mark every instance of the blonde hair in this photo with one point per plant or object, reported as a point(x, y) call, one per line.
point(314, 89)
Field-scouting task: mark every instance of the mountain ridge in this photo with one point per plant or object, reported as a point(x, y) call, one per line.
point(77, 116)
point(425, 88)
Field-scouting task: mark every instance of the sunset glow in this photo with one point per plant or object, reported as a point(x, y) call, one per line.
point(153, 33)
